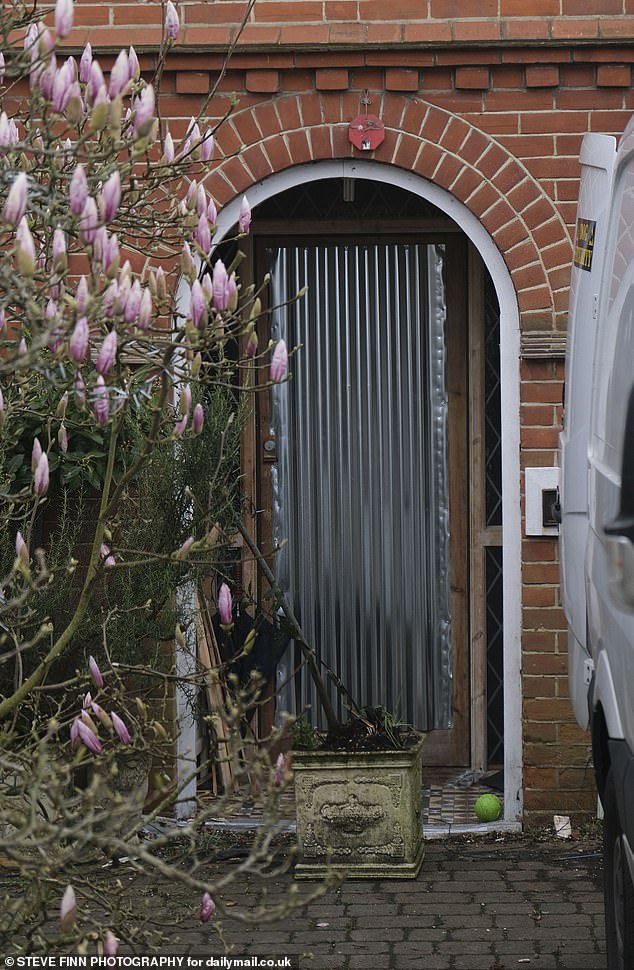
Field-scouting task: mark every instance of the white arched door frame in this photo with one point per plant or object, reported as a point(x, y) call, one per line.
point(510, 413)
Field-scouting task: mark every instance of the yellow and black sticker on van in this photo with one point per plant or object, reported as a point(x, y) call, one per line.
point(584, 243)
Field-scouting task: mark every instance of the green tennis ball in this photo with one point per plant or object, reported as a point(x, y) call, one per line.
point(488, 808)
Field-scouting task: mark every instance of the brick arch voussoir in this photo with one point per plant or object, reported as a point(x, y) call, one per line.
point(440, 146)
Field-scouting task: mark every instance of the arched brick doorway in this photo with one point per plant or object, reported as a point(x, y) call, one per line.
point(422, 139)
point(509, 355)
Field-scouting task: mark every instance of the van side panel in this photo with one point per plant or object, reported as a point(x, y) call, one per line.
point(610, 627)
point(598, 155)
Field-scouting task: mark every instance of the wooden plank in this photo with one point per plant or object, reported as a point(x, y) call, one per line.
point(209, 658)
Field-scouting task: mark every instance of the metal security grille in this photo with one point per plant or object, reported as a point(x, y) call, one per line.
point(495, 655)
point(494, 575)
point(360, 485)
point(492, 409)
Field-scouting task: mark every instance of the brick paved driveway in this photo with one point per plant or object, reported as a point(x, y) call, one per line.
point(512, 903)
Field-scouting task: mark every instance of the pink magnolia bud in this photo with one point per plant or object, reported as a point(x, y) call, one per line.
point(96, 83)
point(100, 113)
point(74, 733)
point(79, 339)
point(62, 85)
point(120, 728)
point(193, 132)
point(110, 944)
point(124, 285)
point(207, 908)
point(133, 302)
point(119, 75)
point(62, 438)
point(78, 191)
point(207, 146)
point(168, 149)
point(36, 454)
point(145, 310)
point(60, 260)
point(161, 284)
point(172, 23)
point(183, 551)
point(88, 737)
point(75, 108)
point(15, 205)
point(22, 348)
point(220, 280)
point(68, 910)
point(41, 476)
point(81, 294)
point(63, 17)
point(201, 201)
point(101, 401)
point(144, 111)
point(212, 213)
point(25, 255)
point(191, 195)
point(279, 362)
point(134, 68)
point(8, 132)
point(62, 404)
point(87, 701)
point(188, 266)
point(88, 721)
point(225, 605)
point(244, 219)
point(198, 307)
point(47, 78)
point(107, 353)
point(89, 221)
point(111, 255)
point(203, 234)
point(110, 299)
point(106, 555)
point(110, 197)
point(208, 287)
point(232, 292)
point(31, 37)
point(252, 344)
point(101, 715)
point(2, 67)
point(99, 244)
point(3, 319)
point(180, 425)
point(85, 64)
point(198, 419)
point(21, 549)
point(95, 673)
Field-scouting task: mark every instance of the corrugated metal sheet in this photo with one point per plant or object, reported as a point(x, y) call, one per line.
point(360, 486)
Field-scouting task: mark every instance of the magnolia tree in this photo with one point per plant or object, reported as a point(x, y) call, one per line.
point(126, 347)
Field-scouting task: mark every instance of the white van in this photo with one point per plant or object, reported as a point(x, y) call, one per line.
point(597, 506)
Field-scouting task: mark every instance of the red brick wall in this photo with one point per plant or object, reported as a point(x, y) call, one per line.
point(489, 99)
point(358, 22)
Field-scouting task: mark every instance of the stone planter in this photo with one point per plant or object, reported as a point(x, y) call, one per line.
point(359, 813)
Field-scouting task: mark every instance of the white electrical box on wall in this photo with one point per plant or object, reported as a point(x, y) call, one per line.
point(541, 495)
